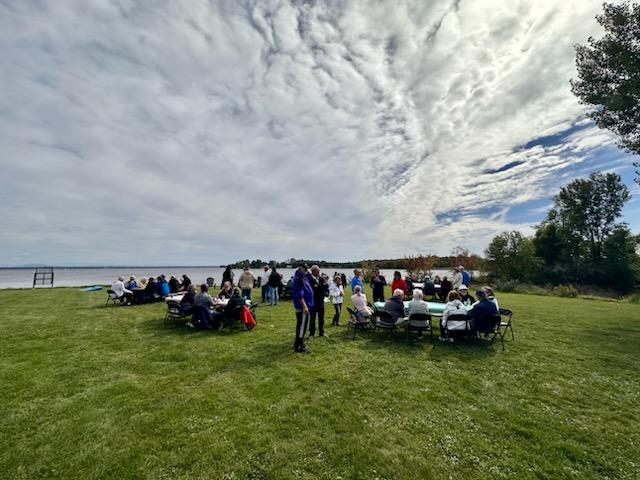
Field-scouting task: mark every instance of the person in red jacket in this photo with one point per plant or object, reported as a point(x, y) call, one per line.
point(399, 283)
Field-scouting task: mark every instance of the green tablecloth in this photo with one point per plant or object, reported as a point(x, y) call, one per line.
point(435, 308)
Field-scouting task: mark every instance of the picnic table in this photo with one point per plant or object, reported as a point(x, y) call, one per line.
point(435, 308)
point(219, 303)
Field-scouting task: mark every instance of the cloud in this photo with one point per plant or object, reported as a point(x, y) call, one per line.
point(201, 132)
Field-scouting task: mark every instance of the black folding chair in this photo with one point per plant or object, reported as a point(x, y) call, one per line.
point(506, 325)
point(419, 323)
point(356, 321)
point(490, 329)
point(460, 324)
point(382, 320)
point(113, 298)
point(175, 314)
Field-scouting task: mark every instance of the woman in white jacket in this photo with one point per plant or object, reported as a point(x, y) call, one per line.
point(336, 292)
point(453, 307)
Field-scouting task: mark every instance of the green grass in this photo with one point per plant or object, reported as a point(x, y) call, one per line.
point(94, 393)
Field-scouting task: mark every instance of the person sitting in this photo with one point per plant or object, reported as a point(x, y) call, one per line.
point(454, 306)
point(142, 283)
point(202, 306)
point(186, 282)
point(491, 296)
point(188, 300)
point(174, 284)
point(120, 292)
point(395, 305)
point(359, 301)
point(465, 297)
point(132, 284)
point(230, 313)
point(483, 313)
point(445, 288)
point(399, 283)
point(163, 287)
point(151, 290)
point(417, 305)
point(428, 287)
point(226, 291)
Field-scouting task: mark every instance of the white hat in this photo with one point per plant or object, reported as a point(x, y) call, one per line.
point(463, 287)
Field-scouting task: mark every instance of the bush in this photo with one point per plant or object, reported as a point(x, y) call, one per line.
point(565, 291)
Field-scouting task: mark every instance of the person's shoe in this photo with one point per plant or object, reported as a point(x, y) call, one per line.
point(442, 339)
point(304, 350)
point(190, 325)
point(321, 334)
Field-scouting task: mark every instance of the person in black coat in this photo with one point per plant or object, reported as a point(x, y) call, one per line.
point(188, 300)
point(227, 275)
point(320, 291)
point(186, 283)
point(377, 286)
point(230, 312)
point(174, 284)
point(445, 287)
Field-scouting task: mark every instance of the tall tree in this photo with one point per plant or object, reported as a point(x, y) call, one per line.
point(586, 211)
point(609, 75)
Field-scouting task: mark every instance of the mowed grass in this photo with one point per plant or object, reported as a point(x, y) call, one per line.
point(98, 392)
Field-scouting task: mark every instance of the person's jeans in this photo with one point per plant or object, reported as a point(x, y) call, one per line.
point(336, 317)
point(316, 311)
point(265, 293)
point(273, 295)
point(246, 293)
point(301, 326)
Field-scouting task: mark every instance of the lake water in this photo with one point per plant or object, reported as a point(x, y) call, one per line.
point(79, 277)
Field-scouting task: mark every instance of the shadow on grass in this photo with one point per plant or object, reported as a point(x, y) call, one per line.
point(467, 349)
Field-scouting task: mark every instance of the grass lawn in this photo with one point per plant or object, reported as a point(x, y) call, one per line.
point(94, 393)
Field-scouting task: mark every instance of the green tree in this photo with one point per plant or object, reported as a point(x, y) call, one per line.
point(622, 262)
point(609, 75)
point(585, 212)
point(512, 256)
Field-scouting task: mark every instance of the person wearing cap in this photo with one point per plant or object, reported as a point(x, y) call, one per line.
point(132, 284)
point(246, 282)
point(121, 292)
point(465, 297)
point(302, 294)
point(482, 313)
point(491, 296)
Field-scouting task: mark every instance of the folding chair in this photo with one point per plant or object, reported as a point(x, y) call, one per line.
point(356, 321)
point(504, 312)
point(419, 323)
point(382, 320)
point(175, 313)
point(490, 329)
point(457, 325)
point(113, 298)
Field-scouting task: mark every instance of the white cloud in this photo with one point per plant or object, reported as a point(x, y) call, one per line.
point(198, 132)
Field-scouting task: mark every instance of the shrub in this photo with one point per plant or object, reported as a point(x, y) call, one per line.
point(565, 291)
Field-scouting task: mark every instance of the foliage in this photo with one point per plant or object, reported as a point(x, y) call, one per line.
point(609, 74)
point(420, 265)
point(578, 242)
point(90, 392)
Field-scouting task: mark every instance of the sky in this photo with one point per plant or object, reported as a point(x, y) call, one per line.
point(200, 132)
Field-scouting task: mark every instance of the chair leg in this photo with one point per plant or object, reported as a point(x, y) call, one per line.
point(511, 328)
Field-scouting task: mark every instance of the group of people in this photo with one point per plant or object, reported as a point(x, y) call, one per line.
point(202, 307)
point(147, 290)
point(460, 306)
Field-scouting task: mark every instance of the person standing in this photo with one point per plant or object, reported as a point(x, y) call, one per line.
point(245, 282)
point(302, 294)
point(275, 280)
point(343, 276)
point(399, 283)
point(320, 291)
point(227, 275)
point(336, 292)
point(456, 280)
point(264, 283)
point(445, 288)
point(356, 280)
point(377, 285)
point(466, 276)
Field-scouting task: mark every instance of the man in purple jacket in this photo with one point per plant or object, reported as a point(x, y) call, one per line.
point(302, 294)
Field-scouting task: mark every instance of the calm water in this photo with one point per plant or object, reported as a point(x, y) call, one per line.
point(78, 277)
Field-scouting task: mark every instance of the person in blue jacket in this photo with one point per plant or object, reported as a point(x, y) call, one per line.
point(163, 286)
point(466, 276)
point(302, 294)
point(483, 313)
point(357, 280)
